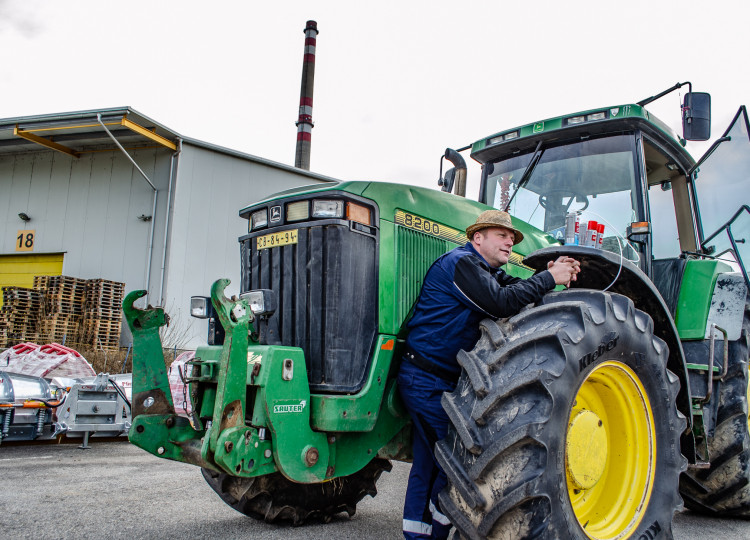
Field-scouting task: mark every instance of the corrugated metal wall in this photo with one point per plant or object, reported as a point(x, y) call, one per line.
point(86, 208)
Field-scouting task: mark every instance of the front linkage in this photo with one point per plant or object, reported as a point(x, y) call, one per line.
point(275, 434)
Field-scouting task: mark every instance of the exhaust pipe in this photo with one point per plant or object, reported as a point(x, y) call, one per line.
point(455, 177)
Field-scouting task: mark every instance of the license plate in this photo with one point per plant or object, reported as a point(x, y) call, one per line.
point(284, 238)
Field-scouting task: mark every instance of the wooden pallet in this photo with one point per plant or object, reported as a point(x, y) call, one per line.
point(17, 315)
point(102, 312)
point(89, 311)
point(66, 288)
point(63, 307)
point(22, 299)
point(104, 331)
point(108, 294)
point(41, 283)
point(59, 327)
point(59, 281)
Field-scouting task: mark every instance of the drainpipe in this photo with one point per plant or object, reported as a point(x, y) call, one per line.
point(172, 174)
point(153, 209)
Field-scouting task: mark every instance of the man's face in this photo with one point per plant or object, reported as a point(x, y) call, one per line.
point(494, 244)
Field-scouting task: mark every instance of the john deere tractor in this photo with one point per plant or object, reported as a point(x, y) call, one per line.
point(592, 414)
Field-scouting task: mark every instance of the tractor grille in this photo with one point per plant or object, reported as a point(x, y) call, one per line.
point(416, 253)
point(326, 286)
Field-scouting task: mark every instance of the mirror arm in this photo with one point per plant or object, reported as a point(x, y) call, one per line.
point(646, 101)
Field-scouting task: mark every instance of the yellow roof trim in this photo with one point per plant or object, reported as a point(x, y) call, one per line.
point(44, 142)
point(78, 126)
point(29, 135)
point(148, 134)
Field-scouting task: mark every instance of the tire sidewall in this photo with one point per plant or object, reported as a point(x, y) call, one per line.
point(614, 340)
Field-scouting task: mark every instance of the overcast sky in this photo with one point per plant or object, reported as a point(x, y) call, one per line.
point(395, 82)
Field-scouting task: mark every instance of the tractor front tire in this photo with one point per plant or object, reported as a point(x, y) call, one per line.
point(724, 488)
point(564, 425)
point(274, 499)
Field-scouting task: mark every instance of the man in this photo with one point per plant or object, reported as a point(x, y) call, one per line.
point(460, 289)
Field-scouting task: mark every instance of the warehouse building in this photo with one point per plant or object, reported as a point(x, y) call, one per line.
point(111, 194)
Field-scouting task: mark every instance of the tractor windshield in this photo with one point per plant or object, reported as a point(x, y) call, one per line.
point(595, 177)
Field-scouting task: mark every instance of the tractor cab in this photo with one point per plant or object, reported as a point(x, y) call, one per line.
point(625, 169)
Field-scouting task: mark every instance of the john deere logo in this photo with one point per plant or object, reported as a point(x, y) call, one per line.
point(275, 214)
point(290, 407)
point(539, 126)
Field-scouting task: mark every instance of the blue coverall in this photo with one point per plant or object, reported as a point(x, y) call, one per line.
point(459, 290)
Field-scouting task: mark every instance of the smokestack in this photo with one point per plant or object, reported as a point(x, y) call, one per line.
point(304, 121)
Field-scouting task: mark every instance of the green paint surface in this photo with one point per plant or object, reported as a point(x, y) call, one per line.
point(694, 300)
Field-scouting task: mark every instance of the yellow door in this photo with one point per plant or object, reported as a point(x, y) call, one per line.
point(19, 270)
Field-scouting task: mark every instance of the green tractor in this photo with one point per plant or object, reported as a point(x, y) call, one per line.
point(593, 414)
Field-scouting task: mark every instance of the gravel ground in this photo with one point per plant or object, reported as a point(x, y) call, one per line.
point(115, 490)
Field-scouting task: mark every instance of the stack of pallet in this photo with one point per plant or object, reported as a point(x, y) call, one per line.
point(20, 315)
point(63, 307)
point(102, 317)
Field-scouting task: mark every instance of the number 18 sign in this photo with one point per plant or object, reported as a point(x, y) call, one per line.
point(25, 240)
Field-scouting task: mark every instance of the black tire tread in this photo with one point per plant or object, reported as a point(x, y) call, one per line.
point(274, 499)
point(493, 456)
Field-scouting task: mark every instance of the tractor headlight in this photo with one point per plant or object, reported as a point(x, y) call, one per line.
point(258, 219)
point(200, 307)
point(262, 301)
point(297, 211)
point(328, 209)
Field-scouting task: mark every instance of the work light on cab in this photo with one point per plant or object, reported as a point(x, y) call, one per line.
point(504, 137)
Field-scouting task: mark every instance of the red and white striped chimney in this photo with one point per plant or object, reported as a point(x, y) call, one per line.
point(304, 121)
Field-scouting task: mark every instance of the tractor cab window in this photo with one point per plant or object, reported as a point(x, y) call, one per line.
point(594, 177)
point(672, 225)
point(721, 188)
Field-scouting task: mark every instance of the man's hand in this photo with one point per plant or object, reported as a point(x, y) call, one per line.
point(564, 270)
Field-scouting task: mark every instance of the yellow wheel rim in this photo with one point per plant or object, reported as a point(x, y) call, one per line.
point(610, 452)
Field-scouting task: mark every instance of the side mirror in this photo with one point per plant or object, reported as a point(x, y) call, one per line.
point(696, 116)
point(446, 183)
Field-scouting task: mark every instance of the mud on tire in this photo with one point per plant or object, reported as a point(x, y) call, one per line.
point(724, 488)
point(564, 425)
point(274, 499)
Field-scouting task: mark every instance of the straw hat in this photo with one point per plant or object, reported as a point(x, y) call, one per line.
point(494, 218)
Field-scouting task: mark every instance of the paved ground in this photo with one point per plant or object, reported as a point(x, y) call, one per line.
point(115, 490)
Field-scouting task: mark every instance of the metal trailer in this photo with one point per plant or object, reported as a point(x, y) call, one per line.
point(95, 406)
point(26, 408)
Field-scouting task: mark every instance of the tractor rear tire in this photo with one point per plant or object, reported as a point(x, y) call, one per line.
point(274, 499)
point(564, 425)
point(724, 488)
